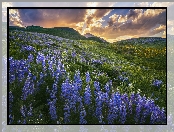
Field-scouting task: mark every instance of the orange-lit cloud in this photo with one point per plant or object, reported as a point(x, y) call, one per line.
point(14, 18)
point(136, 22)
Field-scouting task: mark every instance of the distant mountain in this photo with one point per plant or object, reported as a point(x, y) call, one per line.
point(87, 35)
point(92, 37)
point(142, 40)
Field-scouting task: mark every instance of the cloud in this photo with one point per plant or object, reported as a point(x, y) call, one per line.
point(164, 34)
point(97, 15)
point(133, 13)
point(161, 28)
point(14, 18)
point(135, 23)
point(52, 17)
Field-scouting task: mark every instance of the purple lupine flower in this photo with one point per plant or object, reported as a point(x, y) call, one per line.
point(27, 48)
point(99, 105)
point(77, 79)
point(121, 77)
point(97, 86)
point(87, 77)
point(25, 90)
point(55, 87)
point(107, 87)
point(30, 111)
point(114, 105)
point(157, 83)
point(105, 97)
point(139, 107)
point(87, 95)
point(96, 61)
point(30, 58)
point(66, 89)
point(12, 78)
point(40, 58)
point(24, 121)
point(23, 111)
point(131, 102)
point(67, 113)
point(82, 115)
point(123, 113)
point(52, 109)
point(113, 112)
point(73, 54)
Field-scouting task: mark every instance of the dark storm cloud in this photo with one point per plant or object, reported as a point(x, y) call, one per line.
point(37, 16)
point(132, 13)
point(30, 15)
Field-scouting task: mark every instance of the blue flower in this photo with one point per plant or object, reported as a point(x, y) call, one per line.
point(73, 54)
point(30, 111)
point(52, 109)
point(97, 85)
point(157, 83)
point(23, 111)
point(87, 77)
point(82, 115)
point(87, 95)
point(30, 58)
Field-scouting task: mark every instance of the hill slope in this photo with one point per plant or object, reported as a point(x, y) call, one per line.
point(64, 32)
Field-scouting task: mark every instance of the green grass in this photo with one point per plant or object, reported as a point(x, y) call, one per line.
point(140, 63)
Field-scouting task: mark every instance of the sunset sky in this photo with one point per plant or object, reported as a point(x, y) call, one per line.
point(110, 24)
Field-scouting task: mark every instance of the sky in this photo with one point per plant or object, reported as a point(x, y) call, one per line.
point(109, 24)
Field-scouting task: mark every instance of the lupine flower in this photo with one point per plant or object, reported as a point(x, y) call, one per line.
point(25, 90)
point(87, 95)
point(123, 113)
point(99, 105)
point(97, 62)
point(27, 48)
point(87, 77)
point(30, 58)
point(77, 80)
point(73, 54)
point(107, 88)
point(67, 113)
point(23, 111)
point(97, 86)
point(52, 109)
point(30, 111)
point(82, 115)
point(40, 58)
point(157, 83)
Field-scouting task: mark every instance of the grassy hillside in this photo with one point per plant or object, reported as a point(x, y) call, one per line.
point(59, 81)
point(64, 32)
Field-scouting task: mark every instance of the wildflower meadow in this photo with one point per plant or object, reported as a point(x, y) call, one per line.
point(56, 80)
